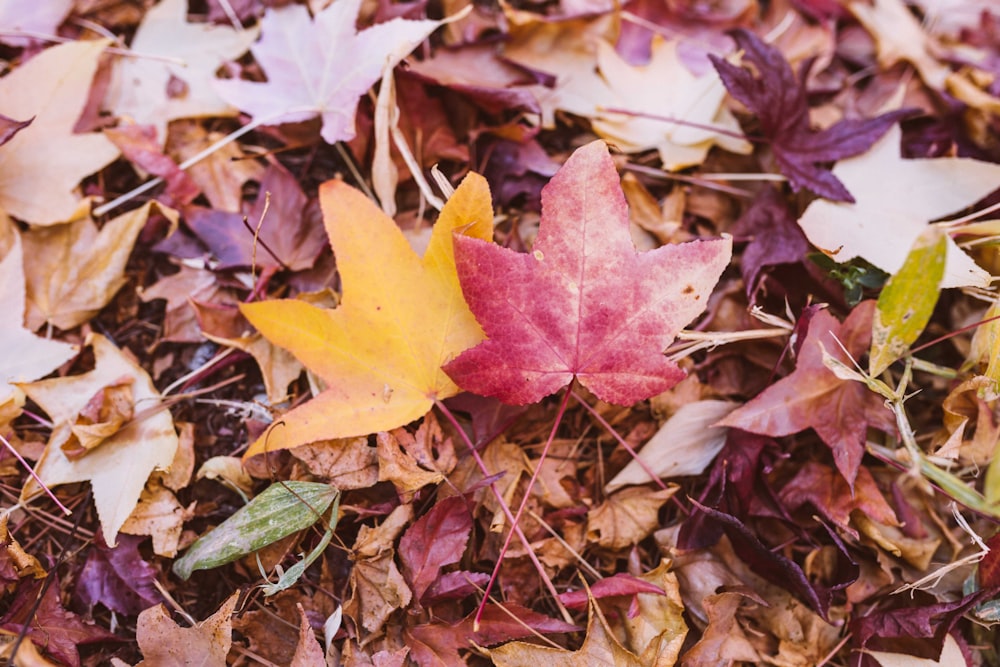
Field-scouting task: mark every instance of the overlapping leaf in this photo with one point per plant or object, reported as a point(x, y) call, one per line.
point(401, 317)
point(584, 303)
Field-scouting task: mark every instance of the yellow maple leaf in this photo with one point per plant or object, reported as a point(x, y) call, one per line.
point(401, 318)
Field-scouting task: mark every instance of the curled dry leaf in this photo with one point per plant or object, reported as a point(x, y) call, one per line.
point(119, 468)
point(166, 644)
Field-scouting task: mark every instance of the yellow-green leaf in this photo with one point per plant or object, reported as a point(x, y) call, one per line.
point(401, 318)
point(907, 300)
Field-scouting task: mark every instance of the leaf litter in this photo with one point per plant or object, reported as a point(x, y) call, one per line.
point(505, 445)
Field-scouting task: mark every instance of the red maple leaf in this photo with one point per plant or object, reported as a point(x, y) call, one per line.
point(584, 303)
point(840, 411)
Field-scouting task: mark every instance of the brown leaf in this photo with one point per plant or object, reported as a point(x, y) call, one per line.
point(103, 415)
point(377, 587)
point(76, 269)
point(166, 644)
point(181, 324)
point(348, 463)
point(723, 641)
point(599, 648)
point(308, 653)
point(397, 466)
point(627, 517)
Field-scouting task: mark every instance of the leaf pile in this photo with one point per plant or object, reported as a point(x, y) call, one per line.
point(575, 333)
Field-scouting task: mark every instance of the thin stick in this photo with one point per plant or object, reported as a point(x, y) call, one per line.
point(522, 506)
point(507, 513)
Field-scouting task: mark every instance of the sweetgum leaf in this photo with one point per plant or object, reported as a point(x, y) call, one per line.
point(584, 303)
point(780, 101)
point(118, 577)
point(436, 539)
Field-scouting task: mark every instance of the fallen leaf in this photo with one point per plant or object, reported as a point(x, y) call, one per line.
point(118, 578)
point(585, 266)
point(438, 643)
point(30, 17)
point(103, 416)
point(303, 59)
point(723, 641)
point(599, 648)
point(896, 198)
point(829, 493)
point(436, 539)
point(280, 219)
point(376, 585)
point(172, 51)
point(691, 107)
point(179, 289)
point(780, 101)
point(10, 127)
point(41, 166)
point(401, 317)
point(165, 644)
point(626, 517)
point(26, 356)
point(140, 146)
point(951, 654)
point(119, 468)
point(774, 238)
point(76, 269)
point(222, 175)
point(158, 514)
point(907, 301)
point(685, 445)
point(52, 628)
point(840, 411)
point(348, 463)
point(899, 36)
point(308, 652)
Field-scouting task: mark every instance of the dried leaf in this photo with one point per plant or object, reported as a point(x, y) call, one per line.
point(42, 165)
point(165, 644)
point(119, 468)
point(627, 517)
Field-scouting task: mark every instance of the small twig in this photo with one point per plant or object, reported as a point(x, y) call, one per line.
point(35, 477)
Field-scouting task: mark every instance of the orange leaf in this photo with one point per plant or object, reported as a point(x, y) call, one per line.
point(401, 318)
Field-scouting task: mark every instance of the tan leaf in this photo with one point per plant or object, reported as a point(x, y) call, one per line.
point(181, 324)
point(174, 49)
point(222, 175)
point(227, 469)
point(159, 515)
point(103, 415)
point(599, 648)
point(348, 463)
point(656, 633)
point(899, 36)
point(25, 356)
point(397, 466)
point(627, 517)
point(76, 269)
point(166, 644)
point(41, 166)
point(377, 586)
point(308, 653)
point(723, 641)
point(118, 469)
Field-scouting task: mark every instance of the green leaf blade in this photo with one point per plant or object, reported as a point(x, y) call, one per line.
point(907, 301)
point(280, 510)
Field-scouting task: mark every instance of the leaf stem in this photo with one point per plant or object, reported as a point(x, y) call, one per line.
point(450, 416)
point(35, 477)
point(524, 503)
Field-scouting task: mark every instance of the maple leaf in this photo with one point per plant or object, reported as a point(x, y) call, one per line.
point(303, 59)
point(664, 87)
point(401, 317)
point(172, 53)
point(840, 411)
point(899, 36)
point(827, 491)
point(166, 644)
point(76, 269)
point(42, 164)
point(118, 469)
point(781, 104)
point(896, 198)
point(584, 303)
point(26, 356)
